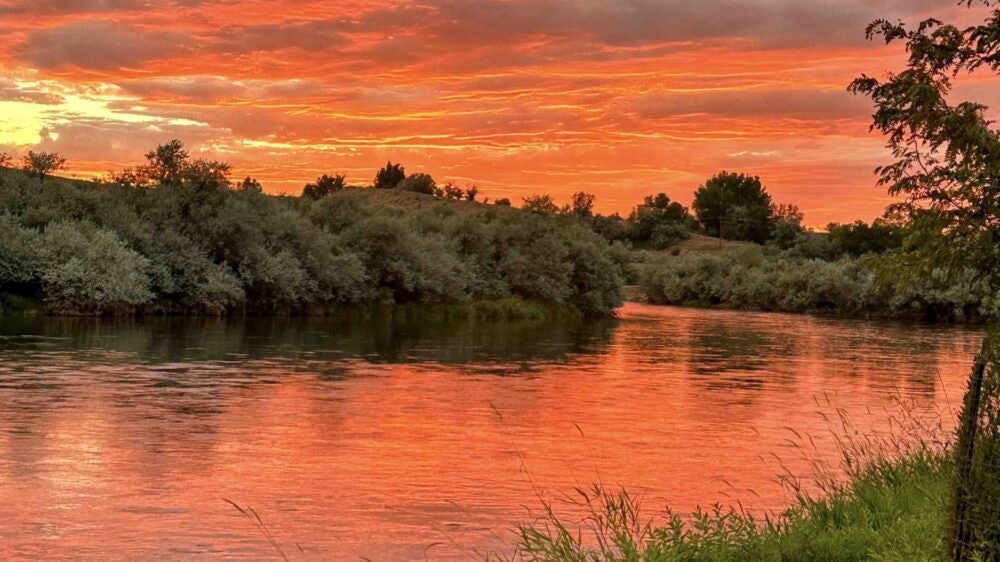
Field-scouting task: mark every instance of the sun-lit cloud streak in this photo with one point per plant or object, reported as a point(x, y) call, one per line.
point(621, 98)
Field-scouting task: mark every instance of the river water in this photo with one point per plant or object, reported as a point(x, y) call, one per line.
point(409, 438)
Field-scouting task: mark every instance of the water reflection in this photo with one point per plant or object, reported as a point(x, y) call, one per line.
point(378, 436)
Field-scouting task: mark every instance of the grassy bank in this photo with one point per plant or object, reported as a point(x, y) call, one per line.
point(888, 510)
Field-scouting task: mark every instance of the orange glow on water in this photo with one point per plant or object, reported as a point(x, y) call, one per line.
point(120, 442)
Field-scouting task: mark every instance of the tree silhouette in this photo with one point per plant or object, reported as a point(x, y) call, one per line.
point(420, 183)
point(582, 204)
point(42, 164)
point(170, 165)
point(324, 186)
point(390, 176)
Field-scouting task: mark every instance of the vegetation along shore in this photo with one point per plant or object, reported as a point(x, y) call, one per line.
point(177, 236)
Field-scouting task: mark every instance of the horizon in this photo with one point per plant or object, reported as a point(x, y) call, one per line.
point(518, 97)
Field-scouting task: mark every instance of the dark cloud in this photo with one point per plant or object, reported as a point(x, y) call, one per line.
point(312, 35)
point(70, 6)
point(97, 45)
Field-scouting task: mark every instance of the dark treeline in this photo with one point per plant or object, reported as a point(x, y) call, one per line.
point(174, 235)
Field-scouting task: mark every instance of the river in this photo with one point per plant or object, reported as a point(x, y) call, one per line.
point(409, 438)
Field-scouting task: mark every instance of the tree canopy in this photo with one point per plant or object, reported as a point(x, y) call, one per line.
point(947, 153)
point(734, 206)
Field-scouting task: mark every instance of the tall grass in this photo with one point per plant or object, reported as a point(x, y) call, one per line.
point(888, 500)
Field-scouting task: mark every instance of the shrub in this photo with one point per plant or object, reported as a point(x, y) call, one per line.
point(85, 268)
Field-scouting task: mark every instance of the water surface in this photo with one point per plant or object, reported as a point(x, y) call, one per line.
point(405, 438)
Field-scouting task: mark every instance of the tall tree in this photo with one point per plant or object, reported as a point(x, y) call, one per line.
point(947, 154)
point(734, 206)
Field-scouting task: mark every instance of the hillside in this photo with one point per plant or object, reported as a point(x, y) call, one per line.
point(79, 247)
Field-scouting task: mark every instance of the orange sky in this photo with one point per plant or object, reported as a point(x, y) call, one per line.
point(621, 98)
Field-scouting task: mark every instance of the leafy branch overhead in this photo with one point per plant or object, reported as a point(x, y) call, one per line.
point(947, 154)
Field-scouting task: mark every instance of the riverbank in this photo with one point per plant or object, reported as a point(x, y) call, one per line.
point(890, 510)
point(759, 278)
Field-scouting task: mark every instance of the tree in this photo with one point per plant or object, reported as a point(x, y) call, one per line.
point(541, 204)
point(251, 184)
point(390, 176)
point(170, 165)
point(325, 185)
point(42, 164)
point(860, 238)
point(420, 183)
point(947, 155)
point(786, 225)
point(166, 163)
point(5, 159)
point(502, 201)
point(452, 191)
point(582, 204)
point(734, 206)
point(659, 218)
point(471, 192)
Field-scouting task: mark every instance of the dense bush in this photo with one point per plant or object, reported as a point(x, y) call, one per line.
point(193, 247)
point(85, 268)
point(753, 278)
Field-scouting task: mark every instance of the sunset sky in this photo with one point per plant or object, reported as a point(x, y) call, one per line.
point(621, 98)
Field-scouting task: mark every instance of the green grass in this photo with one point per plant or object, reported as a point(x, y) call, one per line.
point(889, 499)
point(887, 511)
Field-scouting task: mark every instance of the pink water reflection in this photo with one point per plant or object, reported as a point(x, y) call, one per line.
point(120, 442)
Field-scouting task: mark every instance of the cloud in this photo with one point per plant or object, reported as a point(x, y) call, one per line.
point(71, 6)
point(11, 90)
point(782, 103)
point(97, 45)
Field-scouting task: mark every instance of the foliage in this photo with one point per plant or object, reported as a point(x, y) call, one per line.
point(325, 185)
point(786, 225)
point(660, 221)
point(250, 184)
point(18, 259)
point(170, 165)
point(390, 176)
point(859, 238)
point(947, 154)
point(452, 191)
point(582, 204)
point(734, 206)
point(5, 159)
point(540, 204)
point(420, 183)
point(502, 201)
point(179, 248)
point(753, 278)
point(42, 164)
point(87, 268)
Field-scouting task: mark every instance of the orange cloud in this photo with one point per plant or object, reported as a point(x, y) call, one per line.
point(621, 99)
